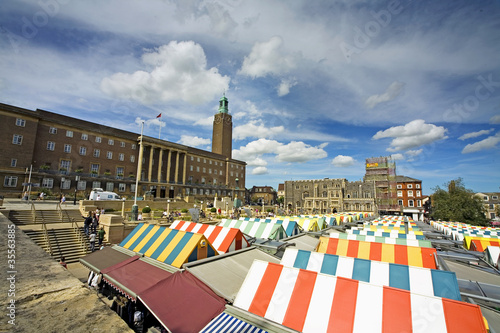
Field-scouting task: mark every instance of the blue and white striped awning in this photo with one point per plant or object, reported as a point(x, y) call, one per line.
point(227, 323)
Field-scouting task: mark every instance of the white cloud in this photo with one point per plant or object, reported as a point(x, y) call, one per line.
point(413, 153)
point(291, 152)
point(487, 143)
point(393, 91)
point(397, 157)
point(414, 134)
point(268, 58)
point(341, 161)
point(257, 162)
point(285, 85)
point(193, 141)
point(495, 119)
point(256, 129)
point(177, 72)
point(475, 134)
point(260, 171)
point(209, 121)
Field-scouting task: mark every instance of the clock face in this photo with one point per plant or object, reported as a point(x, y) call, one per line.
point(218, 119)
point(227, 120)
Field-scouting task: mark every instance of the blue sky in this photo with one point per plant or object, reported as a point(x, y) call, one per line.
point(314, 87)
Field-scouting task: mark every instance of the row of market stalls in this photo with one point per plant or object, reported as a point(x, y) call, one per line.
point(311, 276)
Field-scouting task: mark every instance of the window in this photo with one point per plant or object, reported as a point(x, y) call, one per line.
point(65, 185)
point(204, 170)
point(119, 171)
point(111, 142)
point(83, 151)
point(20, 122)
point(10, 181)
point(409, 186)
point(109, 155)
point(197, 159)
point(410, 203)
point(418, 193)
point(94, 168)
point(13, 162)
point(190, 168)
point(96, 184)
point(48, 183)
point(495, 197)
point(410, 193)
point(399, 186)
point(98, 139)
point(17, 139)
point(67, 148)
point(203, 180)
point(132, 187)
point(69, 134)
point(85, 136)
point(419, 203)
point(110, 186)
point(197, 169)
point(400, 202)
point(132, 158)
point(192, 158)
point(134, 146)
point(122, 144)
point(491, 206)
point(400, 193)
point(51, 145)
point(204, 160)
point(65, 165)
point(122, 187)
point(121, 157)
point(210, 161)
point(53, 130)
point(417, 185)
point(81, 185)
point(97, 153)
point(220, 172)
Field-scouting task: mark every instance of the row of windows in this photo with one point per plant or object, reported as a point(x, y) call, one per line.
point(411, 203)
point(409, 193)
point(400, 186)
point(217, 163)
point(83, 151)
point(85, 136)
point(11, 181)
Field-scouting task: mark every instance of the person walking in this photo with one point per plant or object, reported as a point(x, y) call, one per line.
point(86, 223)
point(63, 199)
point(92, 241)
point(95, 222)
point(100, 235)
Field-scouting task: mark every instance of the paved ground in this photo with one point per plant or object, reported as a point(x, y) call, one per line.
point(37, 294)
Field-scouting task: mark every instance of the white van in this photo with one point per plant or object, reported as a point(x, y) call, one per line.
point(100, 194)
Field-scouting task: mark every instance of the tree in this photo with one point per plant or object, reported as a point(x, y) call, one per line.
point(456, 203)
point(281, 200)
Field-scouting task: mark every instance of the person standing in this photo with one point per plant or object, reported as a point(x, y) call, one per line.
point(100, 235)
point(95, 222)
point(63, 199)
point(86, 223)
point(92, 241)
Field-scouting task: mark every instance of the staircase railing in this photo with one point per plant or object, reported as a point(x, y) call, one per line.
point(33, 212)
point(46, 238)
point(59, 210)
point(81, 239)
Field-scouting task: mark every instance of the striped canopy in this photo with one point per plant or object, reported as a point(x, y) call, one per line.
point(308, 301)
point(386, 240)
point(392, 253)
point(256, 229)
point(222, 239)
point(291, 227)
point(479, 243)
point(430, 282)
point(492, 255)
point(173, 247)
point(227, 323)
point(392, 234)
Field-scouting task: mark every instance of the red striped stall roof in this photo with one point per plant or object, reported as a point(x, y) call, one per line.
point(392, 253)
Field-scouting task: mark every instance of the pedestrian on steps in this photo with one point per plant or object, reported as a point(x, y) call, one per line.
point(92, 241)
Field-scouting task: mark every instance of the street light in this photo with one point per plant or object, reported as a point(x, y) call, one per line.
point(77, 179)
point(168, 205)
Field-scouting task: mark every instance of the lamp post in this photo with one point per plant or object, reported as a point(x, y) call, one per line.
point(77, 179)
point(168, 206)
point(135, 208)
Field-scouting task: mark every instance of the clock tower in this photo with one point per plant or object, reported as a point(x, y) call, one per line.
point(222, 136)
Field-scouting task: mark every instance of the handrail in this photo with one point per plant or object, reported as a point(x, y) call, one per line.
point(46, 237)
point(81, 239)
point(59, 210)
point(33, 212)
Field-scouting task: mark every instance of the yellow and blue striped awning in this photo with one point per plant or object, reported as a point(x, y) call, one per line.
point(173, 247)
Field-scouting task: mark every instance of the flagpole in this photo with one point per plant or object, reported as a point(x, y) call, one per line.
point(159, 132)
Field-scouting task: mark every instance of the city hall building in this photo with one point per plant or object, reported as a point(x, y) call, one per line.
point(69, 156)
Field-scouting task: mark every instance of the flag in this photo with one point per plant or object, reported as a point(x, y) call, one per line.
point(158, 116)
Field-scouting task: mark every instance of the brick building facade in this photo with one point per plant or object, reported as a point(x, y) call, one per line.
point(71, 156)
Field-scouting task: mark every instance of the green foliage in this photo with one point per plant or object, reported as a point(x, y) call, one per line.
point(213, 210)
point(456, 203)
point(146, 209)
point(281, 200)
point(184, 210)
